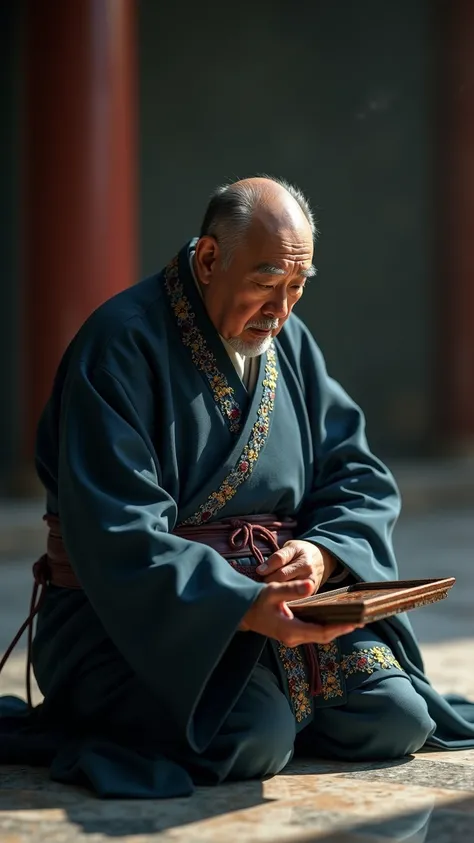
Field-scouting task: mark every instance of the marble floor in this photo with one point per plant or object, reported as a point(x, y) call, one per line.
point(426, 798)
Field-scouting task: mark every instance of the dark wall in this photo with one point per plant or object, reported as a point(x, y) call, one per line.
point(10, 252)
point(337, 97)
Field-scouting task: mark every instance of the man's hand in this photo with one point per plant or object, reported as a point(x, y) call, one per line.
point(298, 560)
point(271, 616)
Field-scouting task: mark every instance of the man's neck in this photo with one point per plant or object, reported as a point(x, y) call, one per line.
point(201, 293)
point(238, 360)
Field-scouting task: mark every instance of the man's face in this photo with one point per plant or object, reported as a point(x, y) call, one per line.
point(250, 300)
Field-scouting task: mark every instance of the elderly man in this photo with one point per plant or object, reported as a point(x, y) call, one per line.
point(201, 471)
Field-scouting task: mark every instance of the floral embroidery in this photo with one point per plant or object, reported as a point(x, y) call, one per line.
point(291, 658)
point(249, 456)
point(298, 686)
point(329, 668)
point(201, 354)
point(368, 660)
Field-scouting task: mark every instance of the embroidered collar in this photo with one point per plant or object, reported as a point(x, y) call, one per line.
point(202, 356)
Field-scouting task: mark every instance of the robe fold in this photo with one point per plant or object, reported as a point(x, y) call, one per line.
point(148, 427)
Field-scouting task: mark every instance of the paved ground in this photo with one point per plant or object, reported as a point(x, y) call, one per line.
point(428, 798)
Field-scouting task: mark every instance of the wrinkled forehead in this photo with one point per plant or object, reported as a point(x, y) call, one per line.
point(281, 219)
point(278, 244)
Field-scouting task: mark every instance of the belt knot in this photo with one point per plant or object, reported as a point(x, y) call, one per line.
point(246, 533)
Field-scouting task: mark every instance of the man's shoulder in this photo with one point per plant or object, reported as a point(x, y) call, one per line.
point(137, 309)
point(140, 302)
point(123, 326)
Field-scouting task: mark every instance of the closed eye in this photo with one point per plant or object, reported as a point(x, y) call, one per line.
point(272, 286)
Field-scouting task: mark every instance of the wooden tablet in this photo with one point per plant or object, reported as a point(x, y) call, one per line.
point(370, 601)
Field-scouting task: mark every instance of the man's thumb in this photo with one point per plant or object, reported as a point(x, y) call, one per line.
point(283, 592)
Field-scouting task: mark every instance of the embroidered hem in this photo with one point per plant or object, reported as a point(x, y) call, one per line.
point(298, 686)
point(329, 667)
point(368, 660)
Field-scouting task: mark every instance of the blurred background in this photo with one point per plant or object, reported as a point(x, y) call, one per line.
point(120, 117)
point(118, 120)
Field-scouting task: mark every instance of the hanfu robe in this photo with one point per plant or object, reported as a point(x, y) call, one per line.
point(150, 427)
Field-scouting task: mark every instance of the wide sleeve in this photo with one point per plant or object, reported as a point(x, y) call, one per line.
point(171, 606)
point(353, 503)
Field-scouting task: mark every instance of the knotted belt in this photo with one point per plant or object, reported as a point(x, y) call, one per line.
point(253, 536)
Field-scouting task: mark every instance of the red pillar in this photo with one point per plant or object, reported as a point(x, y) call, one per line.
point(80, 176)
point(456, 234)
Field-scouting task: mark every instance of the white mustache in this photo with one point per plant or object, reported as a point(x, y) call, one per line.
point(264, 324)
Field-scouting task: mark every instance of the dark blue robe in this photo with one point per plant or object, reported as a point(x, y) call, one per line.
point(148, 427)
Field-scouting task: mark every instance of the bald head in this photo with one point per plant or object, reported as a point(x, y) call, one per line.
point(275, 207)
point(253, 259)
point(270, 205)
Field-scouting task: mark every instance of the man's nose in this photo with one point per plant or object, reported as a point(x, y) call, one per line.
point(277, 307)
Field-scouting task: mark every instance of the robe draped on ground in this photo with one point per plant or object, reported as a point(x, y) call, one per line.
point(148, 427)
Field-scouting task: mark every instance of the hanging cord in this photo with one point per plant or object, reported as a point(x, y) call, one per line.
point(41, 580)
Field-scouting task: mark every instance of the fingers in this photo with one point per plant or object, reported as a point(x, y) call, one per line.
point(276, 593)
point(293, 632)
point(300, 569)
point(278, 559)
point(272, 617)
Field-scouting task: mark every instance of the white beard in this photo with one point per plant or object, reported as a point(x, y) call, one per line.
point(250, 349)
point(258, 346)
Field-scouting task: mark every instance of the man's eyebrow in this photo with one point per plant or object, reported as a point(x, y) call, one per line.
point(270, 269)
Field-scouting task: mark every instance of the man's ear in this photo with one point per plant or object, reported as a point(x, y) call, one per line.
point(205, 257)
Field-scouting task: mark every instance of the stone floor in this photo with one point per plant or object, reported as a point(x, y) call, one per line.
point(429, 797)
